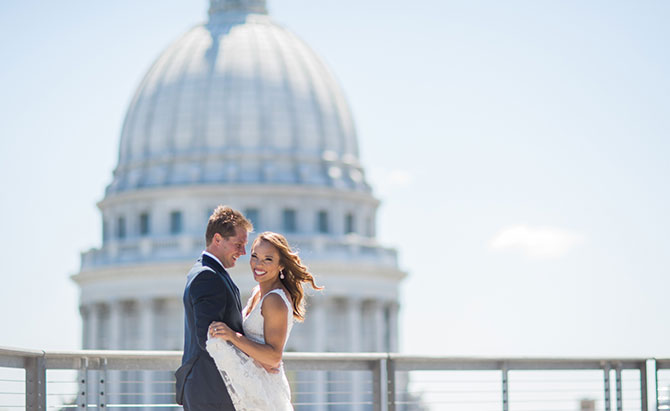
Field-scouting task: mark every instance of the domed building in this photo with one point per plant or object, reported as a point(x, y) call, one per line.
point(238, 111)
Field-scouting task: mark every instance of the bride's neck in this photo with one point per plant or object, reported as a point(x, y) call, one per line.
point(266, 288)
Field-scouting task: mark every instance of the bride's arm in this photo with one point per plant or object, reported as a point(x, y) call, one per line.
point(274, 313)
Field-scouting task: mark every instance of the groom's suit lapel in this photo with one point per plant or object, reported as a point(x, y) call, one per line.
point(211, 263)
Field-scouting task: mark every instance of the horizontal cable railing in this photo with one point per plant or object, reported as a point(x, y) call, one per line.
point(41, 380)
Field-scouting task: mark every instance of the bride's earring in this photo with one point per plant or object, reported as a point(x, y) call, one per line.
point(281, 275)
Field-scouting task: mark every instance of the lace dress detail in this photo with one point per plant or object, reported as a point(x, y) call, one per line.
point(251, 388)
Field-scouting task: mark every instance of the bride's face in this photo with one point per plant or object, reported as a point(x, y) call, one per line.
point(264, 262)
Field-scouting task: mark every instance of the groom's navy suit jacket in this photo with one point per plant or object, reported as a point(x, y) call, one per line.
point(210, 295)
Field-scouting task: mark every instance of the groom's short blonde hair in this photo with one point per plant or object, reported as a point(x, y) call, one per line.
point(225, 221)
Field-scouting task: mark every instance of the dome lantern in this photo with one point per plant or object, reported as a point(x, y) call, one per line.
point(246, 6)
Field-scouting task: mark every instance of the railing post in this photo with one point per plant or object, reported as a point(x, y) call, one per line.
point(505, 387)
point(644, 394)
point(606, 374)
point(390, 371)
point(656, 385)
point(379, 385)
point(36, 390)
point(619, 394)
point(102, 384)
point(82, 401)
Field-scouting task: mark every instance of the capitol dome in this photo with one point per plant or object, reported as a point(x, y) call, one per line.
point(238, 99)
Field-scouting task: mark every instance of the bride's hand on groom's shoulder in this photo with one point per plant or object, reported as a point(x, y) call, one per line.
point(220, 330)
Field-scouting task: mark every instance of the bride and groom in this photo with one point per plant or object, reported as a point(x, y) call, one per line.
point(232, 357)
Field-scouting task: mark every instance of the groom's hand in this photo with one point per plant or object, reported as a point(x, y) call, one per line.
point(269, 369)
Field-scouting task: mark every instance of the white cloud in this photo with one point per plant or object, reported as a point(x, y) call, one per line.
point(536, 242)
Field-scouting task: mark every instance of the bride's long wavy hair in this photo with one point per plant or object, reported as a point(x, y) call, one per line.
point(295, 273)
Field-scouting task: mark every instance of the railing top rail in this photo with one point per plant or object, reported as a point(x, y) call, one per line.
point(399, 356)
point(138, 354)
point(332, 356)
point(662, 363)
point(20, 352)
point(408, 362)
point(14, 357)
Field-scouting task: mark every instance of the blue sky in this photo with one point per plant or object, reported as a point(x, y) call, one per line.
point(519, 148)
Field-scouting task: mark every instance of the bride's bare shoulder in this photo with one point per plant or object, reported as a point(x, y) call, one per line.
point(275, 301)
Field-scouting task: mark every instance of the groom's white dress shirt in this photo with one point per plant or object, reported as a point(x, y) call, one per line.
point(207, 253)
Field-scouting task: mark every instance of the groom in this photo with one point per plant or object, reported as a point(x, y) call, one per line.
point(211, 295)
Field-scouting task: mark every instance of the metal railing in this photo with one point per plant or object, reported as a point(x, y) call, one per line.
point(376, 381)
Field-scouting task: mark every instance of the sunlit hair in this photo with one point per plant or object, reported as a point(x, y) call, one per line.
point(295, 273)
point(224, 221)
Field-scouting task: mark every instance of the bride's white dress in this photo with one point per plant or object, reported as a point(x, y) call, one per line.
point(251, 388)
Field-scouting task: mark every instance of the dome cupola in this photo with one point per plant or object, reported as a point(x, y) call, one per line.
point(227, 6)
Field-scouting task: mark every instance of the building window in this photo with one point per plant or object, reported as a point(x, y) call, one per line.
point(253, 215)
point(121, 228)
point(349, 226)
point(144, 224)
point(322, 221)
point(289, 221)
point(175, 222)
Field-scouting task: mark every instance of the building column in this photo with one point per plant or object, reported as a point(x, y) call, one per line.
point(115, 324)
point(354, 314)
point(145, 309)
point(319, 320)
point(91, 327)
point(380, 326)
point(115, 343)
point(84, 314)
point(354, 320)
point(393, 308)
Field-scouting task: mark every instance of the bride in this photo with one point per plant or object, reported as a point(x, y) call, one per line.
point(277, 300)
